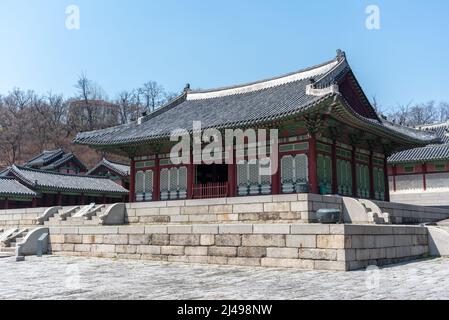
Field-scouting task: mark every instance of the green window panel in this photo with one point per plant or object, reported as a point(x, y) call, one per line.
point(324, 168)
point(362, 157)
point(323, 147)
point(302, 146)
point(344, 177)
point(379, 184)
point(165, 162)
point(378, 161)
point(344, 153)
point(362, 181)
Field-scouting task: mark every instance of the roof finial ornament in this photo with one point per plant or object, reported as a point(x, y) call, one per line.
point(340, 54)
point(187, 87)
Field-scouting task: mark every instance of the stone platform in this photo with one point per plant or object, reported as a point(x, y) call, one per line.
point(305, 246)
point(269, 231)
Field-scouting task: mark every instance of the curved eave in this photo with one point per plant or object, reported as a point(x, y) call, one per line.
point(375, 127)
point(12, 196)
point(109, 167)
point(70, 190)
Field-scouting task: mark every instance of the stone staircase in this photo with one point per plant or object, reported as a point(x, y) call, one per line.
point(362, 211)
point(374, 213)
point(9, 240)
point(78, 216)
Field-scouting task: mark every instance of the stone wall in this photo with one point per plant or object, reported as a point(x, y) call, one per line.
point(438, 199)
point(293, 208)
point(383, 245)
point(305, 246)
point(270, 208)
point(19, 217)
point(402, 213)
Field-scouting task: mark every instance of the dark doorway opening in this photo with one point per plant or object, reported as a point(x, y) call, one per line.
point(211, 173)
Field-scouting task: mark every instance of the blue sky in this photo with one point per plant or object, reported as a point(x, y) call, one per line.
point(122, 44)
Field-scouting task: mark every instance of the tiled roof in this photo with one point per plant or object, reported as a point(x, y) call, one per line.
point(44, 158)
point(12, 187)
point(252, 103)
point(432, 152)
point(119, 168)
point(41, 179)
point(428, 153)
point(63, 160)
point(440, 129)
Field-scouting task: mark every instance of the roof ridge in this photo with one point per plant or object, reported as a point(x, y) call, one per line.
point(264, 80)
point(166, 107)
point(55, 173)
point(115, 162)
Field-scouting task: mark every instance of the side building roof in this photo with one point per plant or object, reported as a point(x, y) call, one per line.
point(46, 180)
point(432, 152)
point(119, 168)
point(44, 158)
point(9, 187)
point(63, 160)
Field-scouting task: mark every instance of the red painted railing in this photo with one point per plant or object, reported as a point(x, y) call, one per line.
point(210, 190)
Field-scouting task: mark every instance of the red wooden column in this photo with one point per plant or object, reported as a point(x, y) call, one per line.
point(232, 174)
point(276, 177)
point(156, 180)
point(104, 199)
point(424, 179)
point(132, 181)
point(395, 170)
point(6, 204)
point(371, 176)
point(334, 168)
point(59, 199)
point(190, 176)
point(34, 203)
point(312, 157)
point(354, 172)
point(82, 199)
point(386, 182)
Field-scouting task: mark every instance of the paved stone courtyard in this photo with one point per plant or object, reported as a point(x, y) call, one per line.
point(54, 277)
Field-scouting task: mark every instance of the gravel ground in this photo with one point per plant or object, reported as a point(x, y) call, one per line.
point(53, 277)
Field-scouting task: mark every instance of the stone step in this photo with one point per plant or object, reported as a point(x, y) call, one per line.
point(9, 250)
point(74, 222)
point(6, 254)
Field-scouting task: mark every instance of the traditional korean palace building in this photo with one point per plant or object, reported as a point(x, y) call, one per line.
point(331, 140)
point(58, 161)
point(13, 194)
point(26, 187)
point(117, 172)
point(421, 175)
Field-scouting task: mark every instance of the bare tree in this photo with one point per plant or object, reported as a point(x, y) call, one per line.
point(377, 107)
point(129, 106)
point(443, 111)
point(153, 95)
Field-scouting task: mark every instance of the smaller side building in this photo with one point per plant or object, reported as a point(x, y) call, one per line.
point(58, 189)
point(58, 161)
point(421, 176)
point(117, 172)
point(13, 194)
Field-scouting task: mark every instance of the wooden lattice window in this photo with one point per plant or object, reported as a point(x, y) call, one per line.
point(250, 181)
point(324, 168)
point(344, 177)
point(294, 173)
point(379, 183)
point(363, 181)
point(144, 185)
